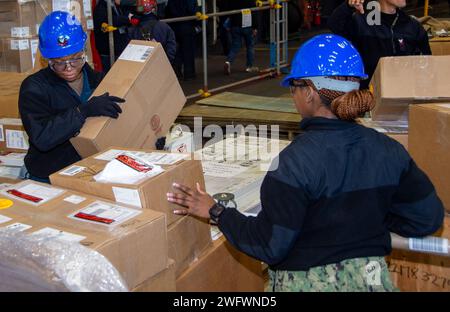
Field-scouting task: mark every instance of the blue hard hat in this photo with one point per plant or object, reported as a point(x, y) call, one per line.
point(61, 34)
point(326, 55)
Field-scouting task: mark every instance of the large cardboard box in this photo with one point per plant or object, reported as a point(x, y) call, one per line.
point(440, 45)
point(400, 81)
point(13, 138)
point(429, 144)
point(9, 93)
point(18, 54)
point(150, 193)
point(222, 268)
point(134, 241)
point(187, 239)
point(164, 281)
point(144, 77)
point(412, 271)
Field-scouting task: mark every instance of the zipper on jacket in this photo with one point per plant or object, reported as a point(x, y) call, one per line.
point(392, 33)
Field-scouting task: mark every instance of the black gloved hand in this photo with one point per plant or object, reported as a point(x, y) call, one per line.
point(102, 105)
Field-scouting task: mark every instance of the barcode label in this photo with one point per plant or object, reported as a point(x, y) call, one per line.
point(136, 53)
point(429, 244)
point(71, 171)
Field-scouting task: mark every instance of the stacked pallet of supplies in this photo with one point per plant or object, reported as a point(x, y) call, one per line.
point(19, 28)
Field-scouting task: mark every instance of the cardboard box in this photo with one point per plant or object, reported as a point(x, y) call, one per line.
point(18, 54)
point(440, 45)
point(164, 281)
point(12, 159)
point(135, 243)
point(187, 239)
point(400, 81)
point(148, 194)
point(144, 77)
point(429, 145)
point(400, 138)
point(222, 268)
point(9, 93)
point(412, 271)
point(13, 138)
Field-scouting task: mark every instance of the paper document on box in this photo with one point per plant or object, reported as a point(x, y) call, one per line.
point(127, 169)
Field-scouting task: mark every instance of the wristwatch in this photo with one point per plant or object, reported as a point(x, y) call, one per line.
point(215, 211)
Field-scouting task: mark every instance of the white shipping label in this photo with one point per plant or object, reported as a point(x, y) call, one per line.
point(90, 24)
point(160, 158)
point(4, 219)
point(87, 8)
point(246, 18)
point(52, 233)
point(4, 185)
point(136, 53)
point(74, 199)
point(2, 136)
point(429, 244)
point(34, 194)
point(22, 44)
point(127, 196)
point(444, 105)
point(216, 169)
point(110, 155)
point(10, 172)
point(11, 121)
point(104, 213)
point(16, 139)
point(34, 43)
point(19, 227)
point(61, 5)
point(73, 170)
point(20, 32)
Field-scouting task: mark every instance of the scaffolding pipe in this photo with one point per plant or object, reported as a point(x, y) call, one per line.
point(270, 72)
point(112, 56)
point(205, 50)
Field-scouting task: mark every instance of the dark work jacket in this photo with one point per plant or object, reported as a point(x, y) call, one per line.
point(120, 20)
point(48, 108)
point(160, 32)
point(405, 37)
point(181, 8)
point(338, 190)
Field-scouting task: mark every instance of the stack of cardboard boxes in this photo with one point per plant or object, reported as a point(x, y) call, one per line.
point(19, 27)
point(413, 93)
point(13, 139)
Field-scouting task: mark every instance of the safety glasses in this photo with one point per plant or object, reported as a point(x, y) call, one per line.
point(293, 84)
point(73, 63)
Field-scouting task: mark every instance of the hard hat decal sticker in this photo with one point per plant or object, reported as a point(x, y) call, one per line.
point(63, 40)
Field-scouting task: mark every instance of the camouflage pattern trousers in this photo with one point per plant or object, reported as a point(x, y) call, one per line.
point(352, 275)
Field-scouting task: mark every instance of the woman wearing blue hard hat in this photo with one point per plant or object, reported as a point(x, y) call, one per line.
point(338, 191)
point(54, 102)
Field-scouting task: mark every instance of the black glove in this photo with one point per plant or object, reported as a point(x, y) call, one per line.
point(160, 143)
point(102, 105)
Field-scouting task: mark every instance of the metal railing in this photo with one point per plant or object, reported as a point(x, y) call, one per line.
point(278, 39)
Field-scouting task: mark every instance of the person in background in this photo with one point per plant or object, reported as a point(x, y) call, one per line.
point(333, 195)
point(397, 35)
point(184, 63)
point(224, 26)
point(239, 32)
point(121, 20)
point(149, 27)
point(55, 101)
